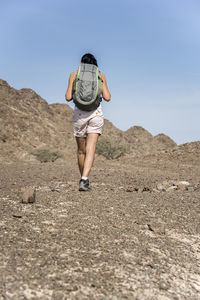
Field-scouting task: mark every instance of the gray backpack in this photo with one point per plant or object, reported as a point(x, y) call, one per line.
point(87, 87)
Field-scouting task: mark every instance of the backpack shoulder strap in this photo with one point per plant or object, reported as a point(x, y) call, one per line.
point(78, 72)
point(77, 77)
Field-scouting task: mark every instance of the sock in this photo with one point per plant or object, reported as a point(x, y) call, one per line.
point(84, 178)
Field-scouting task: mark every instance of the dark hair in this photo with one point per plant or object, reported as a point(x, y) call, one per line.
point(89, 59)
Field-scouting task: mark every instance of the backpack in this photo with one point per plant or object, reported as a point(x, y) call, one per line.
point(87, 87)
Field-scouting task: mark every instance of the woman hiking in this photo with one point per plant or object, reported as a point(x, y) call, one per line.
point(86, 88)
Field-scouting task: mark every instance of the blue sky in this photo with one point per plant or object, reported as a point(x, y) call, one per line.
point(148, 50)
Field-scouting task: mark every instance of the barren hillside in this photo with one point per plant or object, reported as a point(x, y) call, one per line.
point(28, 123)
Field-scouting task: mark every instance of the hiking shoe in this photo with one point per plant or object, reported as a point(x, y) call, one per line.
point(84, 185)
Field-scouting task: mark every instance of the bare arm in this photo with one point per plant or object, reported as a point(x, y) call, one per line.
point(105, 92)
point(68, 94)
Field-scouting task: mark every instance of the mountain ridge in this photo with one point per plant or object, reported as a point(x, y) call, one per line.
point(28, 122)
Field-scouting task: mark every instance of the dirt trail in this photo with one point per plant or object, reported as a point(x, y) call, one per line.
point(109, 243)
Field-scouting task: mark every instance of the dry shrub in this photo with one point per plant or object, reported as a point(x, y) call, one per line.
point(111, 150)
point(46, 155)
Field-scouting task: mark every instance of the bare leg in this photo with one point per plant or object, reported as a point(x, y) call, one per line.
point(90, 151)
point(81, 143)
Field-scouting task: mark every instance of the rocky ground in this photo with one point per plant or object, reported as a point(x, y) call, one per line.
point(131, 237)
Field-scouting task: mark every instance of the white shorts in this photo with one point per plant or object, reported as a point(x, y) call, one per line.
point(85, 122)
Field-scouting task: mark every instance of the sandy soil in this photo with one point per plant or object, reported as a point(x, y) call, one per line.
point(110, 243)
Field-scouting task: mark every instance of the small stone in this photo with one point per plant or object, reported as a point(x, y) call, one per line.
point(161, 188)
point(163, 286)
point(190, 189)
point(17, 215)
point(120, 187)
point(155, 191)
point(181, 187)
point(184, 182)
point(166, 183)
point(146, 189)
point(54, 189)
point(129, 190)
point(171, 188)
point(132, 189)
point(158, 278)
point(29, 195)
point(157, 226)
point(181, 182)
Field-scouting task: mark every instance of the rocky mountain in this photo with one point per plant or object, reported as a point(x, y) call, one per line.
point(28, 123)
